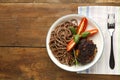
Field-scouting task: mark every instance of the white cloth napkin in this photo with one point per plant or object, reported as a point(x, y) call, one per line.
point(99, 15)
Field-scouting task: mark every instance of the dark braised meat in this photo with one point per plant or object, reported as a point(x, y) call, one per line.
point(87, 50)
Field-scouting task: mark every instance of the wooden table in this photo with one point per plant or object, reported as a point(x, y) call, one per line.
point(23, 28)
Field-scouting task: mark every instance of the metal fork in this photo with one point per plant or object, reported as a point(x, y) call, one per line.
point(111, 27)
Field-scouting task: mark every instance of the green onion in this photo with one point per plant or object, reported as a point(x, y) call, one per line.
point(76, 38)
point(72, 29)
point(85, 34)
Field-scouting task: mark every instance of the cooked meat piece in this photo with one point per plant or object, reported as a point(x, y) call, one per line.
point(87, 50)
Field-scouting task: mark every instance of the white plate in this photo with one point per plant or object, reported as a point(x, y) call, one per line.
point(97, 39)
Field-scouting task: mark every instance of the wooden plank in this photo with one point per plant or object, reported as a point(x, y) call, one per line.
point(107, 1)
point(35, 64)
point(16, 1)
point(27, 24)
point(59, 1)
point(25, 63)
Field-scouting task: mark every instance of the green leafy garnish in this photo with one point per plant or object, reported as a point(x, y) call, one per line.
point(72, 29)
point(85, 34)
point(76, 62)
point(76, 38)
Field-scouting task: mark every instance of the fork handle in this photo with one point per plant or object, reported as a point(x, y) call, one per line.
point(112, 60)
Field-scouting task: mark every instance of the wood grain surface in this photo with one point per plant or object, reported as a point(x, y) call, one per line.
point(23, 28)
point(60, 1)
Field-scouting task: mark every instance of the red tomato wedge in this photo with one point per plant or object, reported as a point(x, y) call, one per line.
point(82, 26)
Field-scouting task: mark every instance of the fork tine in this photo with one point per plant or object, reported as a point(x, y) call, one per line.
point(111, 21)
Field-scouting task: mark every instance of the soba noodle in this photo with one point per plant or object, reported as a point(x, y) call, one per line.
point(59, 39)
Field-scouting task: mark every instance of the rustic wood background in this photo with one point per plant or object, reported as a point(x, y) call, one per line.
point(23, 28)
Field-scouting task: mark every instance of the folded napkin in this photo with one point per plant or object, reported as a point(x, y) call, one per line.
point(99, 15)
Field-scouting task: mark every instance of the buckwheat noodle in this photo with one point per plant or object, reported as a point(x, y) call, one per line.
point(59, 39)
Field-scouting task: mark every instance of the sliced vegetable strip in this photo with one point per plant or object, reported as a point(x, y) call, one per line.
point(92, 32)
point(82, 26)
point(70, 45)
point(89, 33)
